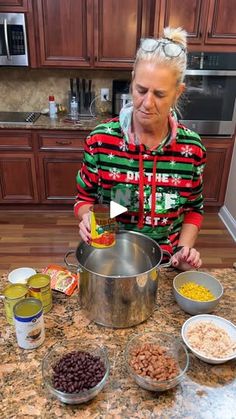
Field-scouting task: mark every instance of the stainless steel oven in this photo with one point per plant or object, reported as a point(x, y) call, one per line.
point(209, 103)
point(13, 41)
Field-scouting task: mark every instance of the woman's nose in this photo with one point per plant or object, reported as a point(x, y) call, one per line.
point(148, 100)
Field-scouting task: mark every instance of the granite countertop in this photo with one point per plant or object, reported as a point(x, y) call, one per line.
point(59, 123)
point(207, 391)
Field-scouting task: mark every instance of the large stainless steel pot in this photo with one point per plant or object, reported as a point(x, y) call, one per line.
point(118, 285)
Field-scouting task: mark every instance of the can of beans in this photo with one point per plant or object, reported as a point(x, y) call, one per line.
point(102, 227)
point(29, 323)
point(39, 287)
point(11, 295)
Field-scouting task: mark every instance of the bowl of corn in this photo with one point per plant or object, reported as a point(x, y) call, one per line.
point(197, 292)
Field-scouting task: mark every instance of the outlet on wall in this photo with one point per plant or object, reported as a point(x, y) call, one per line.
point(104, 94)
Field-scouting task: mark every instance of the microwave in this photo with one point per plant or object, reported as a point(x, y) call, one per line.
point(13, 40)
point(209, 104)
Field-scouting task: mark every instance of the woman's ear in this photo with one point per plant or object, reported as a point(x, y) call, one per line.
point(180, 89)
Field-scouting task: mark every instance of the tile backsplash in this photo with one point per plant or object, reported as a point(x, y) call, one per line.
point(23, 89)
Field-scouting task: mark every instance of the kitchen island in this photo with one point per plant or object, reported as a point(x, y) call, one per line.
point(207, 391)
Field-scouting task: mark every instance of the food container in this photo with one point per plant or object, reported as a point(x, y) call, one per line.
point(220, 322)
point(64, 349)
point(29, 323)
point(118, 285)
point(201, 278)
point(20, 275)
point(172, 354)
point(39, 287)
point(102, 227)
point(11, 295)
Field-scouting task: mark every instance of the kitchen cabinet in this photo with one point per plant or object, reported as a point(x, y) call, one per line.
point(90, 33)
point(64, 32)
point(13, 5)
point(210, 24)
point(219, 153)
point(59, 157)
point(17, 168)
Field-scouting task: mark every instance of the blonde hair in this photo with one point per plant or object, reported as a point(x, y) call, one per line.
point(174, 38)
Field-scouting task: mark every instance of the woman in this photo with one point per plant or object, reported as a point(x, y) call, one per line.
point(147, 161)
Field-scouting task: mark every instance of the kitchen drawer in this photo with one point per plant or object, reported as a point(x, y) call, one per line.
point(11, 140)
point(62, 141)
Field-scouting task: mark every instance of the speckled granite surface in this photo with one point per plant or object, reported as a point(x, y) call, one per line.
point(207, 392)
point(59, 123)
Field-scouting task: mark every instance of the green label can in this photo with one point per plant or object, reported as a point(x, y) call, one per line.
point(39, 287)
point(12, 294)
point(29, 323)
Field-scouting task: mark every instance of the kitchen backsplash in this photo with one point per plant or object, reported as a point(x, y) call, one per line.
point(24, 89)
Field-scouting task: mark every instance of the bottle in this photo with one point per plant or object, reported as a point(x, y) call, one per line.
point(74, 109)
point(52, 107)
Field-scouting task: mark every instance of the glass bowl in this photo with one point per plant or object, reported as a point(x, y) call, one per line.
point(165, 370)
point(67, 382)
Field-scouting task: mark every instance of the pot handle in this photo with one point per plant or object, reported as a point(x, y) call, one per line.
point(70, 265)
point(167, 264)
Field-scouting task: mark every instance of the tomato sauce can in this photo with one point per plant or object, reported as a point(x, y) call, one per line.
point(39, 287)
point(29, 323)
point(12, 294)
point(102, 227)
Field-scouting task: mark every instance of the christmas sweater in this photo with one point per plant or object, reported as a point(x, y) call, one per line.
point(161, 187)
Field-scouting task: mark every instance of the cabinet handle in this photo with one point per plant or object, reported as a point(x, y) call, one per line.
point(64, 142)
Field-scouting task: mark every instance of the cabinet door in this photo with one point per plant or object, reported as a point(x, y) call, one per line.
point(219, 153)
point(13, 5)
point(221, 26)
point(190, 15)
point(58, 176)
point(18, 178)
point(119, 25)
point(65, 32)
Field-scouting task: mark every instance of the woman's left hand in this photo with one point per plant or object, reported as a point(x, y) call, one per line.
point(186, 259)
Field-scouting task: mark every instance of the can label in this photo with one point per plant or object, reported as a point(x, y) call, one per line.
point(103, 227)
point(29, 328)
point(13, 294)
point(39, 287)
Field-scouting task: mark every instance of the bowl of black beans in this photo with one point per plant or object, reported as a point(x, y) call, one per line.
point(75, 372)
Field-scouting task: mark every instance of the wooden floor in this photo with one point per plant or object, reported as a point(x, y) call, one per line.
point(38, 239)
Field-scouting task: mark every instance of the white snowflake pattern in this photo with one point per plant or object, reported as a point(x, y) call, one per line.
point(145, 156)
point(199, 170)
point(171, 227)
point(187, 151)
point(131, 161)
point(164, 220)
point(99, 143)
point(108, 130)
point(173, 163)
point(91, 149)
point(111, 156)
point(114, 173)
point(188, 185)
point(123, 146)
point(176, 179)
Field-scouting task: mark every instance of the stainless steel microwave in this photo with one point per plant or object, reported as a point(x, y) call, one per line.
point(13, 40)
point(209, 103)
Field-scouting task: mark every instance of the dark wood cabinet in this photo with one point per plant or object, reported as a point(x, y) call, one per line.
point(17, 168)
point(13, 5)
point(60, 156)
point(219, 153)
point(210, 24)
point(64, 32)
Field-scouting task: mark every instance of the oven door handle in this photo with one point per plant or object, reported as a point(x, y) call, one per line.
point(6, 39)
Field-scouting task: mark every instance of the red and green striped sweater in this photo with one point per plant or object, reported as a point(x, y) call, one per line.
point(161, 188)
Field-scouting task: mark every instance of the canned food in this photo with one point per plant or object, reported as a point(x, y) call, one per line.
point(12, 294)
point(39, 287)
point(29, 323)
point(102, 227)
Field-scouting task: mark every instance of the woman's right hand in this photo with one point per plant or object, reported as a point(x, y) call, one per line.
point(85, 227)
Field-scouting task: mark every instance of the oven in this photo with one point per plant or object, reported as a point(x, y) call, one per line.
point(209, 105)
point(13, 42)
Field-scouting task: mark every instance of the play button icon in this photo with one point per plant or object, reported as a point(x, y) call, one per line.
point(116, 209)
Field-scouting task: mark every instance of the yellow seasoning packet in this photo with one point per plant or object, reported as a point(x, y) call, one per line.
point(61, 279)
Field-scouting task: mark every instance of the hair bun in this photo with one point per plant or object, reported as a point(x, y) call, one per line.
point(178, 35)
